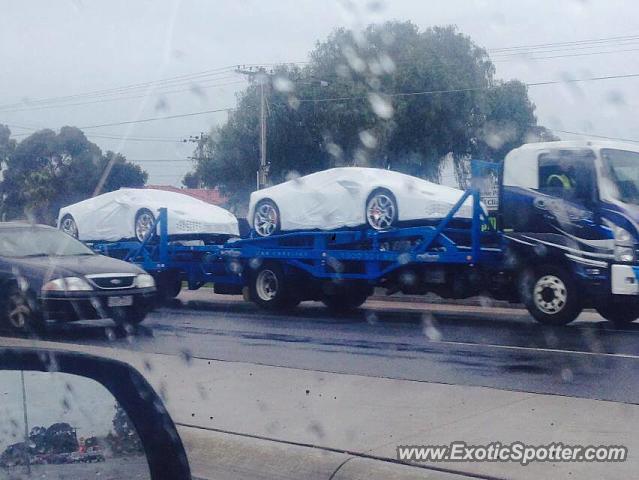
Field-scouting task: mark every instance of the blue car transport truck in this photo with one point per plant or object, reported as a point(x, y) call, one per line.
point(555, 226)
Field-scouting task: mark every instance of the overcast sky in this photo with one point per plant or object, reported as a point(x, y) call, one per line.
point(66, 48)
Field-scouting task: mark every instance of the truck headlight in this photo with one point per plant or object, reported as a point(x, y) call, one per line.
point(67, 284)
point(144, 280)
point(624, 254)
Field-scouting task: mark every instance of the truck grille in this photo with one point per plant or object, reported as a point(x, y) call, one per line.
point(112, 281)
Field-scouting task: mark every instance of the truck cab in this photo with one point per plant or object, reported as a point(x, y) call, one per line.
point(569, 215)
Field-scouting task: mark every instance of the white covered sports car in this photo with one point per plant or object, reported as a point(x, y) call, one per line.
point(350, 197)
point(129, 213)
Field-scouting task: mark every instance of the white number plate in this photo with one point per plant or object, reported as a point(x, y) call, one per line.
point(123, 301)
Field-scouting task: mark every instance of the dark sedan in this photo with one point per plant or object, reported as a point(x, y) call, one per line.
point(47, 275)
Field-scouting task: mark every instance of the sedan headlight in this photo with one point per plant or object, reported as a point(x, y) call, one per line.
point(144, 280)
point(67, 284)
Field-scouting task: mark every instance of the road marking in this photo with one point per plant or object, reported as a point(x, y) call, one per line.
point(538, 349)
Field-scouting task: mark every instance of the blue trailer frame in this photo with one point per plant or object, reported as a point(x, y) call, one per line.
point(318, 253)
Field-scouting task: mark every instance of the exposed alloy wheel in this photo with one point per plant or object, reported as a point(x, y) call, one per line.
point(381, 210)
point(21, 311)
point(550, 295)
point(266, 219)
point(68, 226)
point(144, 221)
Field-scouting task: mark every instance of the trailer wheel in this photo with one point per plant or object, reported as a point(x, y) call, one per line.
point(269, 288)
point(619, 313)
point(550, 295)
point(168, 285)
point(345, 301)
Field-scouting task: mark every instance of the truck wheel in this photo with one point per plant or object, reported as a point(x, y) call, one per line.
point(168, 285)
point(269, 289)
point(619, 313)
point(345, 301)
point(21, 312)
point(550, 295)
point(123, 316)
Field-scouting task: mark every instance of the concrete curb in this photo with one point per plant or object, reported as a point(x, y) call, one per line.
point(227, 456)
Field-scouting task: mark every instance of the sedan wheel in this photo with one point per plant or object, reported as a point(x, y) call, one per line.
point(381, 210)
point(21, 312)
point(144, 221)
point(266, 219)
point(68, 226)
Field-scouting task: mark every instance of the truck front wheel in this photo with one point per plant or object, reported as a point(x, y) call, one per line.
point(619, 313)
point(550, 295)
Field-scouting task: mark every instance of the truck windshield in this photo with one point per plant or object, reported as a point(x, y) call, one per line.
point(621, 169)
point(39, 242)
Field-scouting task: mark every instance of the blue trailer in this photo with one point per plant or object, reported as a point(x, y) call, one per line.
point(339, 267)
point(558, 231)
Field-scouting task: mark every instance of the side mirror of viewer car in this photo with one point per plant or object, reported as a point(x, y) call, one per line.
point(71, 415)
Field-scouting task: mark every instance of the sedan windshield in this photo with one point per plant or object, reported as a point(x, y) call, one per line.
point(621, 169)
point(39, 242)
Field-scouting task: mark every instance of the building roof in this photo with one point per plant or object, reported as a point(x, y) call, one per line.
point(207, 195)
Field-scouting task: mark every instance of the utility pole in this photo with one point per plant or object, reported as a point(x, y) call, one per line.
point(261, 75)
point(27, 459)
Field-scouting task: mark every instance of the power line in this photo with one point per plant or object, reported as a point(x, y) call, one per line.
point(170, 81)
point(631, 140)
point(103, 100)
point(470, 89)
point(109, 136)
point(574, 42)
point(159, 160)
point(569, 55)
point(224, 70)
point(561, 49)
point(153, 119)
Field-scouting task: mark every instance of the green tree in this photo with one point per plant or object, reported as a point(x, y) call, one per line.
point(342, 109)
point(124, 439)
point(47, 171)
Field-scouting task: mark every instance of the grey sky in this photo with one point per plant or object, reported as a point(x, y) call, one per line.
point(61, 48)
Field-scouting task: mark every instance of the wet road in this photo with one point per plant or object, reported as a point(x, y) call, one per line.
point(494, 348)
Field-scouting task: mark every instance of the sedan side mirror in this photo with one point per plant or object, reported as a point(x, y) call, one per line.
point(71, 415)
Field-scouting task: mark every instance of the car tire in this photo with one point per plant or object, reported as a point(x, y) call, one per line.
point(550, 294)
point(128, 316)
point(269, 288)
point(618, 313)
point(69, 226)
point(346, 300)
point(168, 285)
point(381, 211)
point(266, 218)
point(144, 220)
point(21, 312)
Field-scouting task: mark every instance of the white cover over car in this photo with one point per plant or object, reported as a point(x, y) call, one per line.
point(112, 216)
point(340, 197)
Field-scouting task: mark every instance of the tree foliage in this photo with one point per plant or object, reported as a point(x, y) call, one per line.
point(48, 170)
point(391, 97)
point(124, 439)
